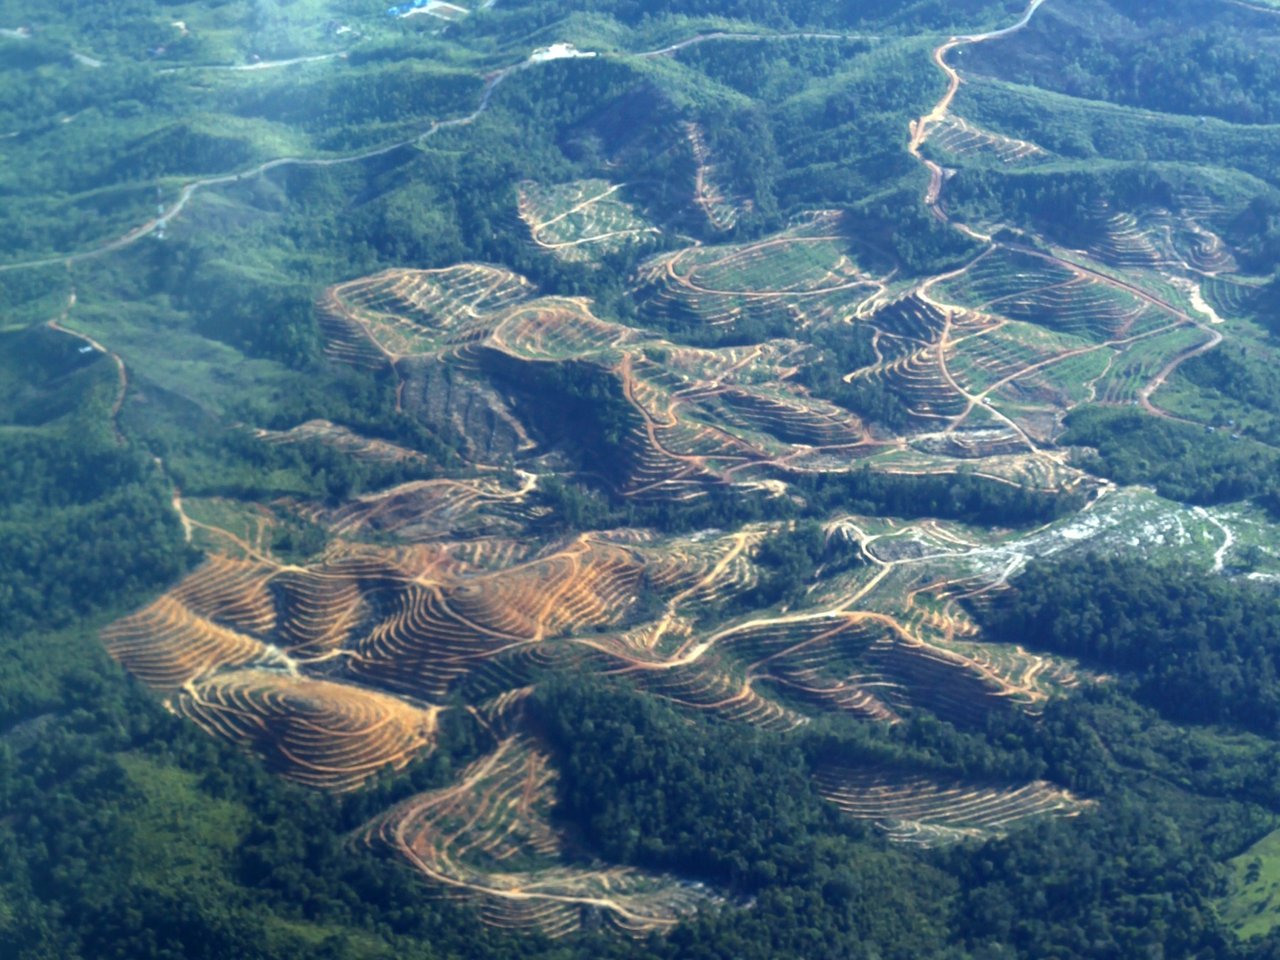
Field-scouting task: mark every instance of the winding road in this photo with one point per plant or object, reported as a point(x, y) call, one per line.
point(122, 374)
point(921, 128)
point(722, 35)
point(492, 81)
point(920, 132)
point(191, 189)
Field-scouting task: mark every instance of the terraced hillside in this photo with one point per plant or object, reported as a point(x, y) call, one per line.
point(739, 362)
point(439, 589)
point(582, 221)
point(922, 811)
point(488, 839)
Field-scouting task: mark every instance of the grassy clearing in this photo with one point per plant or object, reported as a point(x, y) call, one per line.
point(1252, 907)
point(179, 831)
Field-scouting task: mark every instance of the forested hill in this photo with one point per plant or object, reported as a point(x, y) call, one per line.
point(721, 479)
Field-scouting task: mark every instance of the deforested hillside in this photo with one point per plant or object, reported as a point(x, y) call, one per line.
point(561, 480)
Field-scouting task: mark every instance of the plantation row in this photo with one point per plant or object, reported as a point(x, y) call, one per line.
point(581, 221)
point(488, 839)
point(468, 347)
point(910, 808)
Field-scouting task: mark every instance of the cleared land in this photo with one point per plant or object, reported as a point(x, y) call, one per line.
point(488, 839)
point(583, 220)
point(930, 812)
point(1251, 906)
point(459, 592)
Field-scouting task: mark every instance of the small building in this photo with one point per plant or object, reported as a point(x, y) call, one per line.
point(557, 51)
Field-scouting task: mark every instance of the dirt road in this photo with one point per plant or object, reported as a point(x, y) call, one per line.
point(121, 373)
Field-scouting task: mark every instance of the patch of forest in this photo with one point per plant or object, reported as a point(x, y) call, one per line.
point(1183, 461)
point(1197, 648)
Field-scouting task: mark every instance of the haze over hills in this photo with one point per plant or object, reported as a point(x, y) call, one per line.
point(639, 480)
